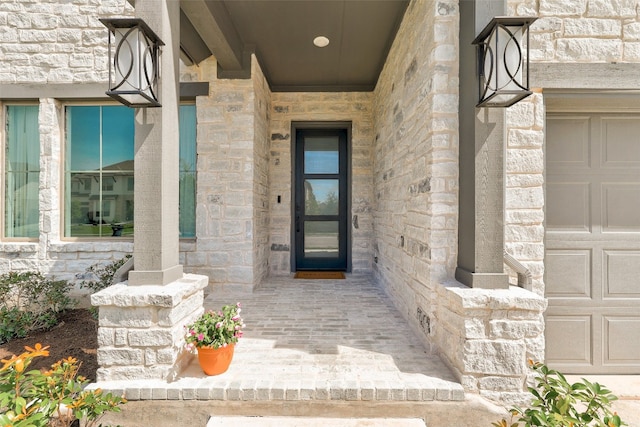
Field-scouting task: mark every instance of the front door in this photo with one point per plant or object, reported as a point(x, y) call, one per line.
point(320, 204)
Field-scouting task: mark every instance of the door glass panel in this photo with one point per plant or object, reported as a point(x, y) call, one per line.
point(321, 239)
point(321, 196)
point(321, 154)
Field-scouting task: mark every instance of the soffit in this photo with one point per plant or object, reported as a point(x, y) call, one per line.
point(281, 35)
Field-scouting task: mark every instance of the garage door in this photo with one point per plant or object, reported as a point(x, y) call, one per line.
point(592, 261)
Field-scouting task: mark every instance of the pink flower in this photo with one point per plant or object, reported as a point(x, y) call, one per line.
point(235, 318)
point(200, 336)
point(219, 325)
point(238, 305)
point(192, 332)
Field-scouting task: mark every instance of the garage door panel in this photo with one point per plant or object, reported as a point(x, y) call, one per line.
point(622, 274)
point(574, 194)
point(622, 340)
point(570, 146)
point(620, 142)
point(592, 242)
point(568, 273)
point(575, 334)
point(621, 207)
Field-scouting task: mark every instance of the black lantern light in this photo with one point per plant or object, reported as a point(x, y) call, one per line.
point(134, 62)
point(503, 62)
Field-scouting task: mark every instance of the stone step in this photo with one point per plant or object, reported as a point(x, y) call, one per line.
point(224, 421)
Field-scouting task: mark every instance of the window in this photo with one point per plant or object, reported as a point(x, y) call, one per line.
point(187, 171)
point(98, 165)
point(22, 172)
point(99, 171)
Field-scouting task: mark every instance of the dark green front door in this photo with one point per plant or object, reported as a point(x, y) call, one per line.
point(321, 199)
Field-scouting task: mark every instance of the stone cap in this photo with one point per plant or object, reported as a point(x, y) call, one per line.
point(170, 295)
point(514, 298)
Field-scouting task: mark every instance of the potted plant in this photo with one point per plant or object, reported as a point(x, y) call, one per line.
point(213, 336)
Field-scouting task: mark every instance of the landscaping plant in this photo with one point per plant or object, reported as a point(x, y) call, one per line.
point(215, 329)
point(101, 277)
point(102, 274)
point(29, 302)
point(55, 398)
point(556, 403)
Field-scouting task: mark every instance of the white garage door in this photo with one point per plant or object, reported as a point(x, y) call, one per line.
point(592, 262)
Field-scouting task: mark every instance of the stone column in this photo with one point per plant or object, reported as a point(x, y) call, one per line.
point(140, 334)
point(482, 153)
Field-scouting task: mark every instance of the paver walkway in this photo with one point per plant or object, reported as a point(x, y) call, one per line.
point(329, 339)
point(313, 340)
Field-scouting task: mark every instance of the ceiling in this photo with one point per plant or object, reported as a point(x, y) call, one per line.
point(281, 34)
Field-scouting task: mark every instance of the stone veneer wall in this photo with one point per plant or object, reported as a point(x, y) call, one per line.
point(485, 336)
point(582, 30)
point(261, 200)
point(416, 160)
point(48, 41)
point(54, 43)
point(232, 204)
point(524, 199)
point(354, 107)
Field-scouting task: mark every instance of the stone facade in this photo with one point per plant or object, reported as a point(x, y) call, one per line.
point(404, 174)
point(416, 160)
point(232, 204)
point(314, 107)
point(524, 200)
point(47, 42)
point(416, 212)
point(55, 42)
point(582, 30)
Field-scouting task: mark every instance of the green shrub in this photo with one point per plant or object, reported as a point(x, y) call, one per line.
point(556, 403)
point(55, 398)
point(29, 301)
point(102, 277)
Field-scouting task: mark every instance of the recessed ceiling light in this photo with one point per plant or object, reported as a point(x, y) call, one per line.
point(321, 41)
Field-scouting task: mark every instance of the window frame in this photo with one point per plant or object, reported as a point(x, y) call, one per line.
point(4, 117)
point(63, 173)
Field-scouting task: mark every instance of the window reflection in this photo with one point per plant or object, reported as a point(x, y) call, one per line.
point(99, 190)
point(321, 196)
point(321, 239)
point(321, 155)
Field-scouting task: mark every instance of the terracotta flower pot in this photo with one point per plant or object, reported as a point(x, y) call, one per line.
point(215, 361)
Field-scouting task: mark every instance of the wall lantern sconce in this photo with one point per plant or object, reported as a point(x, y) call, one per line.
point(134, 62)
point(503, 64)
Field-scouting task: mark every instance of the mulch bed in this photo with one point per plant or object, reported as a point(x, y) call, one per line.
point(75, 335)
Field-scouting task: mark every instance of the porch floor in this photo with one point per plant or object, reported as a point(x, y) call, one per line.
point(309, 340)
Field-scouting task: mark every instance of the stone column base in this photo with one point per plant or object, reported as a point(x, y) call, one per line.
point(487, 336)
point(141, 328)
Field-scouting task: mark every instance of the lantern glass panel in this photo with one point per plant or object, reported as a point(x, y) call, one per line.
point(507, 64)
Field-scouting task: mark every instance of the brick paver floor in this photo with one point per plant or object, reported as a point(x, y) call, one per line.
point(327, 339)
point(312, 340)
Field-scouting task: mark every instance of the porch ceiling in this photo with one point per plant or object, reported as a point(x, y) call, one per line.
point(281, 33)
